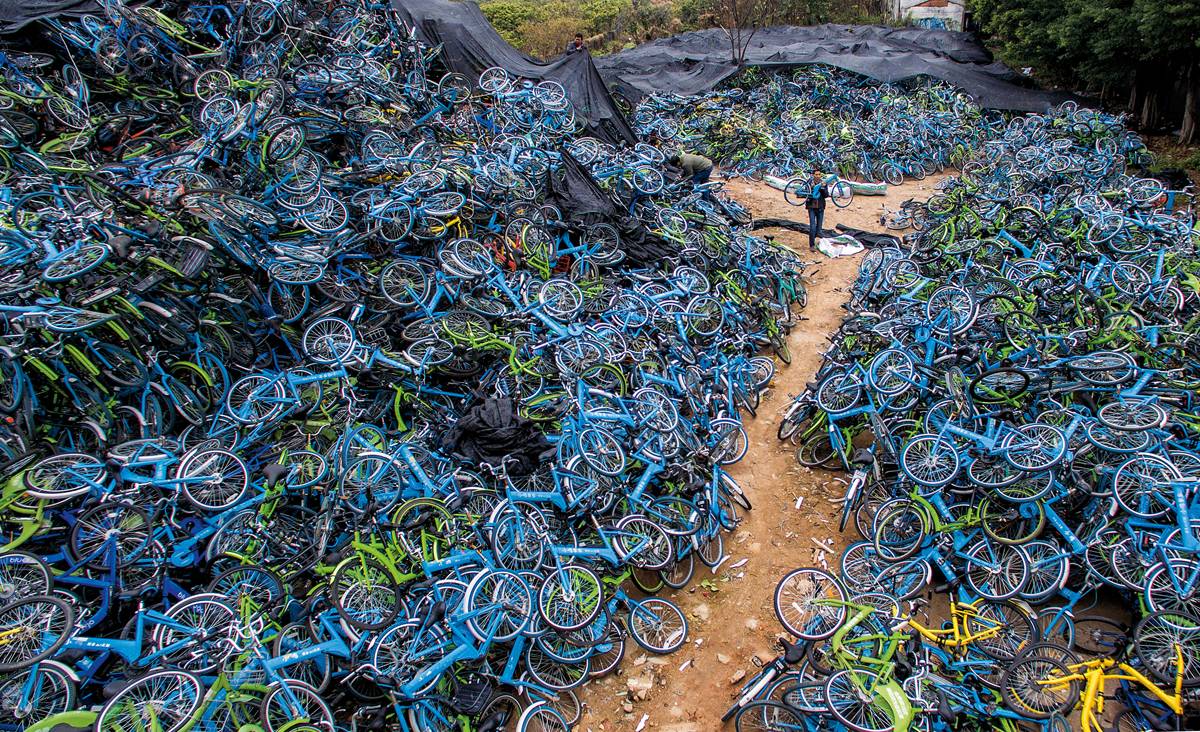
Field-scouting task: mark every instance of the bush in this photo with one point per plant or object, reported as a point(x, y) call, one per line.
point(547, 38)
point(507, 17)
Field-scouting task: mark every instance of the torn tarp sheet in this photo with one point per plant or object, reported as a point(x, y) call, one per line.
point(16, 15)
point(696, 62)
point(470, 45)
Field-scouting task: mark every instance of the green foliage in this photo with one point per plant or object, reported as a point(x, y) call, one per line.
point(507, 17)
point(1090, 42)
point(601, 15)
point(695, 14)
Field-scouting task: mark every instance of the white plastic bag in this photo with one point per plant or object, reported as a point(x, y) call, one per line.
point(839, 246)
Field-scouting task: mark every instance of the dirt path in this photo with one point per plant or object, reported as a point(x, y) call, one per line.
point(730, 611)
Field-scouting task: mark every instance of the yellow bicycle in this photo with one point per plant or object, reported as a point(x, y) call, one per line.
point(1166, 645)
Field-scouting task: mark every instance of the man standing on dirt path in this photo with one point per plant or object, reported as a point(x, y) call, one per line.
point(696, 167)
point(576, 45)
point(815, 203)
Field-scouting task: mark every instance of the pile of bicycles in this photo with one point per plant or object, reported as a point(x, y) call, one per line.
point(1015, 395)
point(262, 265)
point(867, 661)
point(821, 118)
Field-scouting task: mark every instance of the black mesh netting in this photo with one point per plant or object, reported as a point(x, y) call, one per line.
point(693, 63)
point(471, 44)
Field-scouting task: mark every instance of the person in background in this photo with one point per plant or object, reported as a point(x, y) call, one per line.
point(576, 45)
point(815, 203)
point(696, 167)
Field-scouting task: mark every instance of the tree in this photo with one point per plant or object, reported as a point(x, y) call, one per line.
point(742, 19)
point(1144, 51)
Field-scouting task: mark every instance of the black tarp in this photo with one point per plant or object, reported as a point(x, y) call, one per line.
point(471, 45)
point(696, 62)
point(15, 15)
point(574, 191)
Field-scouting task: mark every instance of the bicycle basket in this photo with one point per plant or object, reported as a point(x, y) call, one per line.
point(471, 696)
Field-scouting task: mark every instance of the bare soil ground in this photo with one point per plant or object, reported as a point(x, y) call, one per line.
point(793, 523)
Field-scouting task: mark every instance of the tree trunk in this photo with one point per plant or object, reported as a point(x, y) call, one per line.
point(1189, 131)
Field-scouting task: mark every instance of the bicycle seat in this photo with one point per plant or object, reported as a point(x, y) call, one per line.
point(948, 715)
point(121, 245)
point(793, 653)
point(494, 722)
point(273, 473)
point(113, 688)
point(863, 457)
point(437, 612)
point(419, 517)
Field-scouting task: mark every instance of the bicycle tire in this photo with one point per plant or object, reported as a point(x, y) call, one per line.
point(175, 695)
point(1023, 694)
point(814, 602)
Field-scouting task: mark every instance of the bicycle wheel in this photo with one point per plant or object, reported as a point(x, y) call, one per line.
point(292, 701)
point(608, 652)
point(51, 690)
point(900, 529)
point(602, 452)
point(1034, 447)
point(75, 262)
point(658, 625)
point(1142, 486)
point(570, 598)
point(22, 575)
point(63, 476)
point(891, 372)
point(1168, 645)
point(855, 699)
point(364, 593)
point(817, 451)
point(995, 571)
point(546, 671)
point(841, 192)
point(1099, 635)
point(213, 480)
point(329, 341)
point(930, 460)
point(498, 605)
point(1048, 570)
point(1037, 687)
point(541, 717)
point(643, 543)
point(1132, 416)
point(794, 417)
point(1012, 524)
point(33, 629)
point(1007, 628)
point(768, 716)
point(999, 386)
point(1174, 585)
point(810, 604)
point(110, 534)
point(174, 696)
point(729, 439)
point(839, 392)
point(200, 636)
point(256, 399)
